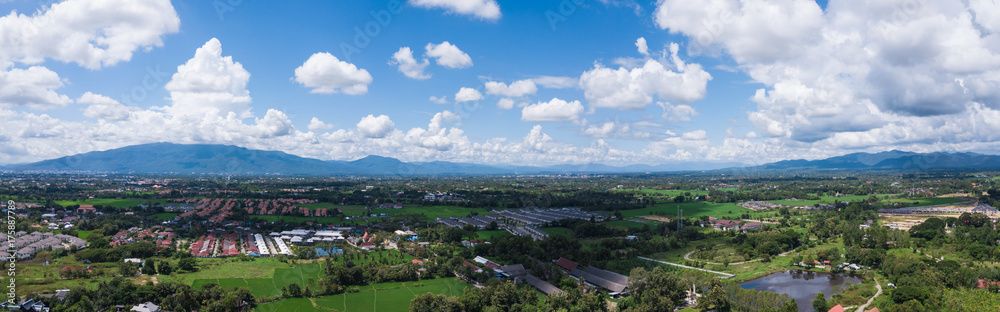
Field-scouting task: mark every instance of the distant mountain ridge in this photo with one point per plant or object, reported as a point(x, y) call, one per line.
point(226, 159)
point(893, 160)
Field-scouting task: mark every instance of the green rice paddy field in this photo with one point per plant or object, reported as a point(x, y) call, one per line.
point(376, 297)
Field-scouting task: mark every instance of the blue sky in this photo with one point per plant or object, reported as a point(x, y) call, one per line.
point(718, 81)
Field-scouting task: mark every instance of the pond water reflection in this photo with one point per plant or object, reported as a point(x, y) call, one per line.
point(802, 285)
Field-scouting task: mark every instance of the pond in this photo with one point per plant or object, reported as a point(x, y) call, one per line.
point(802, 285)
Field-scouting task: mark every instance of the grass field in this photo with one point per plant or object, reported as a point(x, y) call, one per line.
point(926, 201)
point(822, 200)
point(83, 234)
point(303, 274)
point(696, 209)
point(431, 212)
point(488, 235)
point(129, 202)
point(376, 297)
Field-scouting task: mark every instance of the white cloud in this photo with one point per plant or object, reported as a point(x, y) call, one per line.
point(641, 45)
point(33, 87)
point(102, 107)
point(859, 74)
point(505, 103)
point(316, 125)
point(516, 89)
point(375, 127)
point(556, 82)
point(677, 112)
point(633, 89)
point(439, 100)
point(209, 84)
point(326, 74)
point(553, 110)
point(448, 55)
point(436, 136)
point(467, 95)
point(408, 65)
point(695, 135)
point(91, 33)
point(483, 9)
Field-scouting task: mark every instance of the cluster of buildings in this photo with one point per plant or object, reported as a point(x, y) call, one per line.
point(615, 283)
point(444, 197)
point(759, 205)
point(308, 237)
point(390, 206)
point(217, 210)
point(517, 273)
point(28, 245)
point(733, 225)
point(981, 208)
point(537, 216)
point(522, 222)
point(162, 238)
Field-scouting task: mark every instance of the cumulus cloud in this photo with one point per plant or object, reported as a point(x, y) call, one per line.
point(860, 75)
point(556, 82)
point(210, 84)
point(633, 89)
point(317, 125)
point(553, 110)
point(516, 89)
point(448, 55)
point(91, 33)
point(408, 65)
point(32, 87)
point(375, 127)
point(677, 112)
point(436, 136)
point(102, 107)
point(505, 103)
point(482, 9)
point(467, 95)
point(641, 45)
point(439, 100)
point(324, 73)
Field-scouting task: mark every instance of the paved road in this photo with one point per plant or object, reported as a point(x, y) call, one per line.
point(879, 292)
point(688, 267)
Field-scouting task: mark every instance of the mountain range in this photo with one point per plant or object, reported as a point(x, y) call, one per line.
point(225, 159)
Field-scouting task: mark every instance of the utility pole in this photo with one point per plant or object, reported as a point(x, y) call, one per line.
point(680, 224)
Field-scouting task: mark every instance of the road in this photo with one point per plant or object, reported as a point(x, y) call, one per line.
point(879, 292)
point(688, 267)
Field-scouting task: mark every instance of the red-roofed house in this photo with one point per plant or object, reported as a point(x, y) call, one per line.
point(86, 209)
point(985, 284)
point(567, 264)
point(417, 261)
point(473, 266)
point(873, 310)
point(837, 308)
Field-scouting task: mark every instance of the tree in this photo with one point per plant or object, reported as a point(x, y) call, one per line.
point(149, 268)
point(128, 269)
point(819, 304)
point(430, 302)
point(294, 290)
point(164, 268)
point(715, 299)
point(187, 264)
